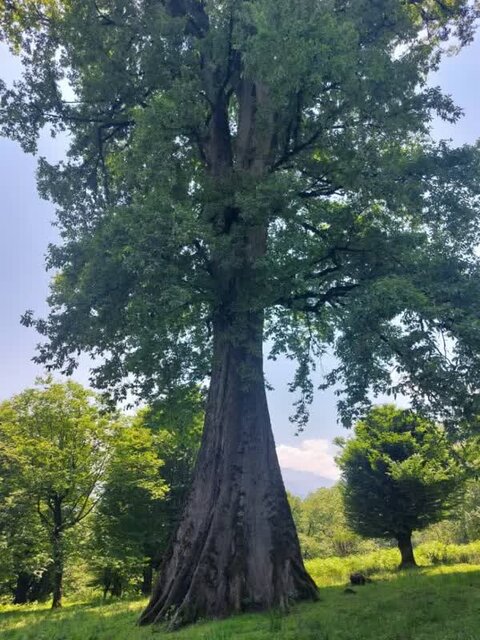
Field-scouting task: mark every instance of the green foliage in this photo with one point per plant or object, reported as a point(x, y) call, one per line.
point(324, 532)
point(112, 488)
point(24, 552)
point(322, 525)
point(399, 472)
point(463, 525)
point(144, 488)
point(199, 129)
point(54, 437)
point(124, 522)
point(53, 449)
point(469, 515)
point(24, 548)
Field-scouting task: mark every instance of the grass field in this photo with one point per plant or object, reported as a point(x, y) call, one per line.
point(434, 603)
point(383, 563)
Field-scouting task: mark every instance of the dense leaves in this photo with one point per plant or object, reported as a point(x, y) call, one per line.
point(399, 473)
point(195, 127)
point(322, 525)
point(143, 494)
point(124, 522)
point(54, 447)
point(86, 488)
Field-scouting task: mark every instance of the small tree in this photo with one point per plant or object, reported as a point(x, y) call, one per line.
point(54, 439)
point(399, 475)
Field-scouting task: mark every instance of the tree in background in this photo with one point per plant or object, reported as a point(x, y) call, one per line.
point(24, 549)
point(125, 522)
point(54, 441)
point(144, 491)
point(399, 474)
point(177, 424)
point(322, 525)
point(240, 170)
point(468, 522)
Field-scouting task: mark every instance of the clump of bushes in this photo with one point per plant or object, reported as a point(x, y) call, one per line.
point(438, 553)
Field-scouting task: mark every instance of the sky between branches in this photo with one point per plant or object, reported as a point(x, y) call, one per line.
point(25, 231)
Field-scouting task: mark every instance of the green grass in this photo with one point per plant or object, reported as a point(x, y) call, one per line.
point(383, 563)
point(434, 603)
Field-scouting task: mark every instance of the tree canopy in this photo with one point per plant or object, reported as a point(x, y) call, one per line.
point(323, 144)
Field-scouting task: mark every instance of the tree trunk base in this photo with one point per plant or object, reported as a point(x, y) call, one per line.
point(22, 587)
point(406, 551)
point(236, 548)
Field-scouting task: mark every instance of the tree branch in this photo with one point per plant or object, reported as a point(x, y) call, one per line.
point(329, 297)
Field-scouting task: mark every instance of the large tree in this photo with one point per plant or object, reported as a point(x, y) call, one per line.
point(54, 440)
point(240, 170)
point(400, 474)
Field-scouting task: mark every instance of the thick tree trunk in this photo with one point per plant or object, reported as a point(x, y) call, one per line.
point(236, 548)
point(22, 586)
point(406, 550)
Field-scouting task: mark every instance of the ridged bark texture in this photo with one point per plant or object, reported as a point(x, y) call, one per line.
point(236, 548)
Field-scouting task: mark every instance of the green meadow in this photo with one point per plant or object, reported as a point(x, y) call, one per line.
point(436, 602)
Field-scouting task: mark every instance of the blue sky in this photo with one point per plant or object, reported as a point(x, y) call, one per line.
point(25, 231)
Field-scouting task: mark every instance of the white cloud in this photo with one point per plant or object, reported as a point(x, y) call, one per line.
point(314, 456)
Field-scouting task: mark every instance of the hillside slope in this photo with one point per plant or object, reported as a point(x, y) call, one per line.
point(441, 603)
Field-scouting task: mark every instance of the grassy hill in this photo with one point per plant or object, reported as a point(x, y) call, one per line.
point(435, 603)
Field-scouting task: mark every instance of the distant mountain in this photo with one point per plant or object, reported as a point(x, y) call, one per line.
point(301, 483)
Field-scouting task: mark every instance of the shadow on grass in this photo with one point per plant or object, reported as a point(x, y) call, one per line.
point(45, 608)
point(439, 602)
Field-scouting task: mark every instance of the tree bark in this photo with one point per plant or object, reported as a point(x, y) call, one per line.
point(406, 550)
point(116, 588)
point(147, 579)
point(22, 586)
point(57, 553)
point(236, 548)
point(57, 573)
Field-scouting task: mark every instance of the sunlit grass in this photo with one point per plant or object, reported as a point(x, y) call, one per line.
point(383, 563)
point(440, 602)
